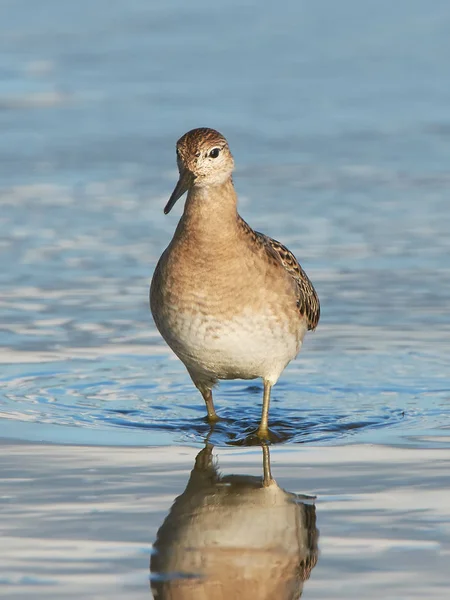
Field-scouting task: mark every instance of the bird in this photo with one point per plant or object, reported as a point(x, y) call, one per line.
point(232, 303)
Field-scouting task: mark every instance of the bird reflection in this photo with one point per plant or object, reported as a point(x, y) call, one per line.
point(234, 537)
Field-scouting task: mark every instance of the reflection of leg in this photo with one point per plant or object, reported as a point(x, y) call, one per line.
point(204, 459)
point(204, 472)
point(263, 429)
point(268, 479)
point(212, 426)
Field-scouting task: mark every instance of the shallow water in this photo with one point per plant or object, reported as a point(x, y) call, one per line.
point(85, 522)
point(338, 117)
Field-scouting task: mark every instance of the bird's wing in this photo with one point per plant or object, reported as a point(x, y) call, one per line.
point(307, 299)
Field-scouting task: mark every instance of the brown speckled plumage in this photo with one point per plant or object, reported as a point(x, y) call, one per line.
point(307, 299)
point(232, 303)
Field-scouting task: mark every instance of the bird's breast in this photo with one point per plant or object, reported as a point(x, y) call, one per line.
point(228, 318)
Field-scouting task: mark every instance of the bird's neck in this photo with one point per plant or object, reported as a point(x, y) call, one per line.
point(210, 213)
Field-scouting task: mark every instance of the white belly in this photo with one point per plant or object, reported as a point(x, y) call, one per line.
point(244, 347)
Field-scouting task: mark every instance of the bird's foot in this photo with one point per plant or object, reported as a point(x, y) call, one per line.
point(258, 438)
point(213, 419)
point(263, 434)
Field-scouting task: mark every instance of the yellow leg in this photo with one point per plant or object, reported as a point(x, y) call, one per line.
point(263, 429)
point(208, 398)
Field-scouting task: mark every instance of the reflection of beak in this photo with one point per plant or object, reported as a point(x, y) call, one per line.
point(181, 188)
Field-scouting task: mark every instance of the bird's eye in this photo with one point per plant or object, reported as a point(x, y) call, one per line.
point(214, 152)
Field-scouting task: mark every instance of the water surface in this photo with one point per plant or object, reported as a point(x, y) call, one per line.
point(85, 522)
point(339, 119)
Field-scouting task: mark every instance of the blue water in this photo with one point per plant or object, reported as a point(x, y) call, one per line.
point(338, 114)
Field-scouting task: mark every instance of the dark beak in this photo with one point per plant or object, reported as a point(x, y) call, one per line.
point(181, 188)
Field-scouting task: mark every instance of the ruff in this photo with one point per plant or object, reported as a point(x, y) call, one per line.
point(232, 303)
